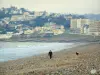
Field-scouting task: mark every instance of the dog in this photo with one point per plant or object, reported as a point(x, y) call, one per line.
point(77, 53)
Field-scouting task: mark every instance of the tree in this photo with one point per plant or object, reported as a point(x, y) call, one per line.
point(2, 30)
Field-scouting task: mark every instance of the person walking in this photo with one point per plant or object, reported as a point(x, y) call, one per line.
point(50, 54)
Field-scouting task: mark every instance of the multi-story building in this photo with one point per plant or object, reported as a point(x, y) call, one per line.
point(84, 26)
point(17, 18)
point(78, 24)
point(85, 29)
point(73, 23)
point(94, 28)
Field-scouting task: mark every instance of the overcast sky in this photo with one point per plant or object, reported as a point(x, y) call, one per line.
point(58, 6)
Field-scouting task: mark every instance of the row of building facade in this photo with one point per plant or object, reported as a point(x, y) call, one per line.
point(85, 26)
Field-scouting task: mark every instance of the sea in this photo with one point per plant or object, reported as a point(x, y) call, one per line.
point(16, 50)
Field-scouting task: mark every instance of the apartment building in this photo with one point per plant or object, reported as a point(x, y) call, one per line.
point(94, 28)
point(78, 24)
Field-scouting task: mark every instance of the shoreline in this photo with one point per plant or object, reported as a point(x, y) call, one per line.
point(54, 50)
point(60, 41)
point(62, 62)
point(57, 38)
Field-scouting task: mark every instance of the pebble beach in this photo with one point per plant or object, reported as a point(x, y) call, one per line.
point(64, 62)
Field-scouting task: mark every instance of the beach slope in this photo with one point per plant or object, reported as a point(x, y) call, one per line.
point(64, 62)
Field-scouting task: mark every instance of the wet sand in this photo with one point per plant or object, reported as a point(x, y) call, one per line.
point(64, 62)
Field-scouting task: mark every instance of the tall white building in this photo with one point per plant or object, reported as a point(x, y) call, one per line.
point(73, 23)
point(79, 24)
